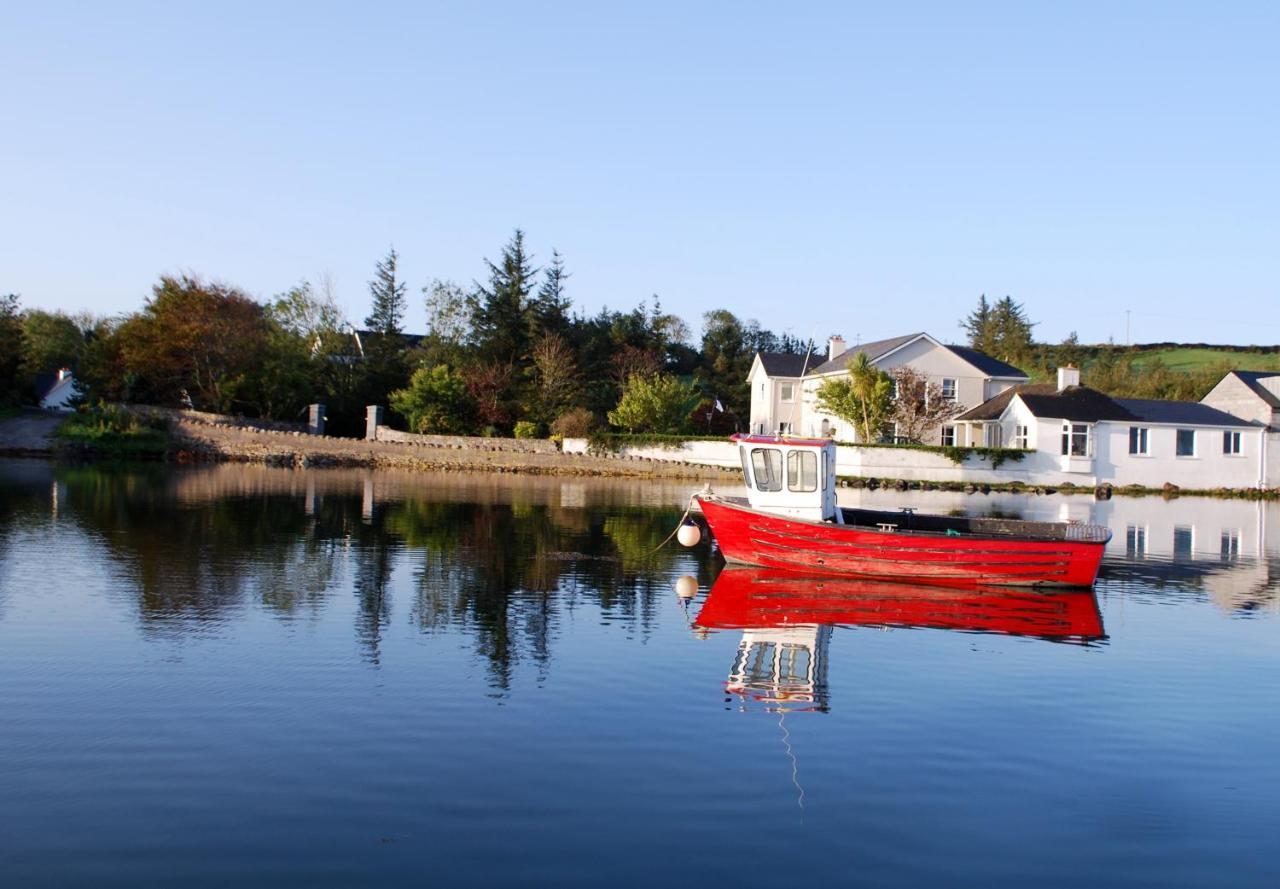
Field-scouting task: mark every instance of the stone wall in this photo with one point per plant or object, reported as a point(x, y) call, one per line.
point(207, 419)
point(469, 442)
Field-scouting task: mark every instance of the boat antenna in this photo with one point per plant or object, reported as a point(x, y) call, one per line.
point(804, 369)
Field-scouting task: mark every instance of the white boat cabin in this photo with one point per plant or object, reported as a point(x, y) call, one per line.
point(794, 477)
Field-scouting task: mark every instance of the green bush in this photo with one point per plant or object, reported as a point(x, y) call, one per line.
point(114, 432)
point(528, 429)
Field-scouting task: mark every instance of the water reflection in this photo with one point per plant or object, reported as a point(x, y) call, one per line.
point(501, 562)
point(786, 621)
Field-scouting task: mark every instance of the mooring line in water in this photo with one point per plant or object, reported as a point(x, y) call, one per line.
point(680, 524)
point(795, 767)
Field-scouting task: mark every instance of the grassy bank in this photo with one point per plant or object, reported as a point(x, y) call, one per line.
point(110, 432)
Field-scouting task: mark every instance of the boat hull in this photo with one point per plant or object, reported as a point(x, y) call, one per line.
point(749, 537)
point(760, 598)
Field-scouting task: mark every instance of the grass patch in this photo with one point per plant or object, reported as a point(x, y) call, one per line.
point(1193, 358)
point(111, 432)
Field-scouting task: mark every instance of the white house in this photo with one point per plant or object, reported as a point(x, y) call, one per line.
point(1090, 437)
point(61, 391)
point(784, 387)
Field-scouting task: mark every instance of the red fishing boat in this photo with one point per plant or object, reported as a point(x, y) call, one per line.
point(790, 520)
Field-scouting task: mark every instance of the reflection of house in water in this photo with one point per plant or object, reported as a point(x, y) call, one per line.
point(786, 621)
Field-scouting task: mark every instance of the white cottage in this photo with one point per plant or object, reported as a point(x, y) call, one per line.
point(784, 387)
point(1079, 434)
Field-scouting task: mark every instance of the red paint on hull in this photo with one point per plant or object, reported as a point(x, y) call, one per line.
point(750, 537)
point(754, 598)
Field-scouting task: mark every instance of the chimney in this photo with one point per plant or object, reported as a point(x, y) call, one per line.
point(835, 346)
point(1068, 376)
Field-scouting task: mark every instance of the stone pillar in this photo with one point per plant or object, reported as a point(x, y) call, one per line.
point(372, 420)
point(315, 419)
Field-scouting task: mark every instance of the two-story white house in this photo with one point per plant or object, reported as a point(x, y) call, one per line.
point(784, 387)
point(1079, 434)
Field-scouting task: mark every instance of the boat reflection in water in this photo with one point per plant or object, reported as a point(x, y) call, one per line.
point(786, 621)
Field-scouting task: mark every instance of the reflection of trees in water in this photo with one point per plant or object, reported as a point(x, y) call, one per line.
point(504, 575)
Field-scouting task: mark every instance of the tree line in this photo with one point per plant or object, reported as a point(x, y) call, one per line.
point(507, 354)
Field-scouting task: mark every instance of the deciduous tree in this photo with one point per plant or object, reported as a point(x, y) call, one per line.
point(11, 349)
point(435, 402)
point(658, 404)
point(918, 404)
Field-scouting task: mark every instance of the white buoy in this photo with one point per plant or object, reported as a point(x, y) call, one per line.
point(686, 586)
point(689, 534)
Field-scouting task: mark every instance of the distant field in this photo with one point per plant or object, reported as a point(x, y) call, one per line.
point(1190, 359)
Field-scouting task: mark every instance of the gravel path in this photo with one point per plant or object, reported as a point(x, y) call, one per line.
point(29, 434)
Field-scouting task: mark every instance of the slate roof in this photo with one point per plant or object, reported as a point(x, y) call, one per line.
point(787, 364)
point(1252, 379)
point(1192, 413)
point(993, 367)
point(873, 350)
point(1080, 404)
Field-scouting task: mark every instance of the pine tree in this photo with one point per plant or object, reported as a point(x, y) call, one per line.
point(499, 324)
point(548, 311)
point(387, 312)
point(980, 325)
point(1012, 330)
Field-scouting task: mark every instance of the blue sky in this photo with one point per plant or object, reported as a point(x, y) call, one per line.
point(868, 169)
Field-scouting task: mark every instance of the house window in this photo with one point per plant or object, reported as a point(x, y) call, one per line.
point(995, 436)
point(1139, 441)
point(766, 469)
point(1186, 443)
point(784, 428)
point(1135, 541)
point(948, 436)
point(1184, 538)
point(787, 392)
point(1020, 437)
point(802, 471)
point(1230, 544)
point(1231, 443)
point(948, 389)
point(1075, 439)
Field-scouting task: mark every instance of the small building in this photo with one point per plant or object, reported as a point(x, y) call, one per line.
point(1082, 435)
point(784, 387)
point(1251, 395)
point(60, 392)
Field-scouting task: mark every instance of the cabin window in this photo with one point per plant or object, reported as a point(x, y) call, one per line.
point(948, 436)
point(826, 468)
point(1075, 439)
point(1139, 441)
point(1186, 443)
point(746, 468)
point(948, 389)
point(1020, 437)
point(787, 392)
point(802, 471)
point(766, 469)
point(1231, 443)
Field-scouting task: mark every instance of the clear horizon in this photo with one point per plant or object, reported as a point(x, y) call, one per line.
point(866, 171)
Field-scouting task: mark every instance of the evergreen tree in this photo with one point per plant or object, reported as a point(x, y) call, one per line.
point(1012, 330)
point(548, 311)
point(387, 312)
point(499, 323)
point(980, 325)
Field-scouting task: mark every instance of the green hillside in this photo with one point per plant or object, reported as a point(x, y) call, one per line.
point(1192, 358)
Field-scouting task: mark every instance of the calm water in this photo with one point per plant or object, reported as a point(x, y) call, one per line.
point(278, 678)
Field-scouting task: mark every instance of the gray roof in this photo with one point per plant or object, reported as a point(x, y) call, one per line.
point(1084, 405)
point(1253, 378)
point(1192, 413)
point(993, 367)
point(786, 364)
point(873, 351)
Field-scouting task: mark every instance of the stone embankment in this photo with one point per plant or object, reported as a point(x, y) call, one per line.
point(200, 442)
